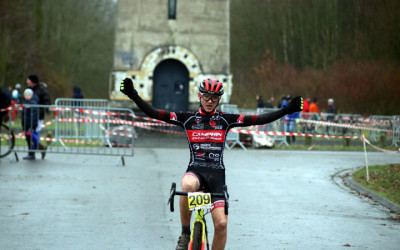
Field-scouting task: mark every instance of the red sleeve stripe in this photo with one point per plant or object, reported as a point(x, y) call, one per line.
point(254, 119)
point(161, 114)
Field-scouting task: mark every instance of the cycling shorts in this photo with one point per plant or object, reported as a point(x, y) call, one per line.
point(210, 181)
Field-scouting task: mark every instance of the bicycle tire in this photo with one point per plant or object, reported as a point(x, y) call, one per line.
point(5, 128)
point(197, 236)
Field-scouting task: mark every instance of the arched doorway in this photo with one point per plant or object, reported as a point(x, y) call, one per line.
point(170, 86)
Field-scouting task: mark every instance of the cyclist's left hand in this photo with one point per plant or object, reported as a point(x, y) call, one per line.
point(296, 105)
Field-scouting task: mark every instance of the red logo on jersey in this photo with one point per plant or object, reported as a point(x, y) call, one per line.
point(212, 123)
point(200, 155)
point(240, 119)
point(206, 135)
point(173, 116)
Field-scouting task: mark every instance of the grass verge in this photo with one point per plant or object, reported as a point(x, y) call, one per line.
point(383, 180)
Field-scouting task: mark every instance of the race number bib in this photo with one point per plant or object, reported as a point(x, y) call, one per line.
point(198, 200)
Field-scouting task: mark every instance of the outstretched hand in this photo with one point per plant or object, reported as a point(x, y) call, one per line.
point(127, 88)
point(296, 105)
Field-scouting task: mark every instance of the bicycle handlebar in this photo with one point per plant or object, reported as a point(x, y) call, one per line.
point(173, 192)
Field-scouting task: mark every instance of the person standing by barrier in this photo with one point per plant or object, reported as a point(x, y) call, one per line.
point(291, 120)
point(29, 120)
point(270, 103)
point(314, 110)
point(44, 99)
point(305, 114)
point(260, 102)
point(206, 130)
point(331, 113)
point(4, 102)
point(77, 95)
point(16, 99)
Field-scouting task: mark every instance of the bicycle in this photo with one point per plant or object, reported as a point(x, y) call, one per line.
point(8, 134)
point(199, 202)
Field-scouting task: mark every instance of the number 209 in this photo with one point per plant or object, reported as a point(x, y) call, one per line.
point(199, 199)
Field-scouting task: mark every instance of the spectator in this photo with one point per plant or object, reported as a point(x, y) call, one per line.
point(291, 122)
point(331, 112)
point(306, 105)
point(270, 104)
point(260, 101)
point(44, 99)
point(7, 92)
point(314, 110)
point(16, 98)
point(285, 101)
point(29, 119)
point(16, 94)
point(314, 106)
point(4, 102)
point(305, 113)
point(77, 95)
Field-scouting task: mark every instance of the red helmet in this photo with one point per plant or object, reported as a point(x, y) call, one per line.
point(211, 86)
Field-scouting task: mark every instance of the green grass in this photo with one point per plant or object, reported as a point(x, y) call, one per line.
point(383, 180)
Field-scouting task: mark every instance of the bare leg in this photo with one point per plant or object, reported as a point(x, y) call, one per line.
point(220, 228)
point(190, 183)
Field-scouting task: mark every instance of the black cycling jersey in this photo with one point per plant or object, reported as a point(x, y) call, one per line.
point(206, 132)
point(206, 135)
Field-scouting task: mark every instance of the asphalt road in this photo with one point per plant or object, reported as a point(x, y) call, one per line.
point(279, 200)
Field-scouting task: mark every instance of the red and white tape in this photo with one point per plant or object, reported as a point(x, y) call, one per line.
point(377, 148)
point(343, 125)
point(291, 134)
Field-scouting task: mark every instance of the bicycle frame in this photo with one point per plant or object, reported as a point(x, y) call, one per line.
point(199, 213)
point(204, 236)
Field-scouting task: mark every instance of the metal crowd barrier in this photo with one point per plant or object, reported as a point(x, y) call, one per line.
point(93, 103)
point(232, 138)
point(326, 129)
point(92, 130)
point(75, 130)
point(396, 130)
point(276, 126)
point(383, 122)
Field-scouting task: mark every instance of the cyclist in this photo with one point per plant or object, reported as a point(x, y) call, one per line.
point(206, 130)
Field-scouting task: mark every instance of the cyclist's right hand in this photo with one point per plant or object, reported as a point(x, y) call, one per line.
point(127, 88)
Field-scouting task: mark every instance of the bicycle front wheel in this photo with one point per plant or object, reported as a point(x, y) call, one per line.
point(7, 140)
point(197, 240)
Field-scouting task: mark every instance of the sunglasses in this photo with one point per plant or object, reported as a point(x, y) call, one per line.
point(207, 97)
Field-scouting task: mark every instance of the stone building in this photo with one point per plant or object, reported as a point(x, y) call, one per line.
point(168, 46)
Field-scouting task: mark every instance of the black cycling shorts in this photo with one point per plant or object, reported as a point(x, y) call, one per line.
point(210, 181)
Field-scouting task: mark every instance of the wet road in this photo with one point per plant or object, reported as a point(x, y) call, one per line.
point(279, 200)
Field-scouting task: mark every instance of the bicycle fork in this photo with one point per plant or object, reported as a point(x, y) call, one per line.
point(204, 234)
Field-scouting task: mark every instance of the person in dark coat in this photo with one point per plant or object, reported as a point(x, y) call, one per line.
point(77, 95)
point(30, 120)
point(260, 101)
point(41, 92)
point(43, 95)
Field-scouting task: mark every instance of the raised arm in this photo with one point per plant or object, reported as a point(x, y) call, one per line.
point(296, 105)
point(128, 89)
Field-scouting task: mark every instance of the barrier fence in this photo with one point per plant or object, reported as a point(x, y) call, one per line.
point(73, 130)
point(86, 126)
